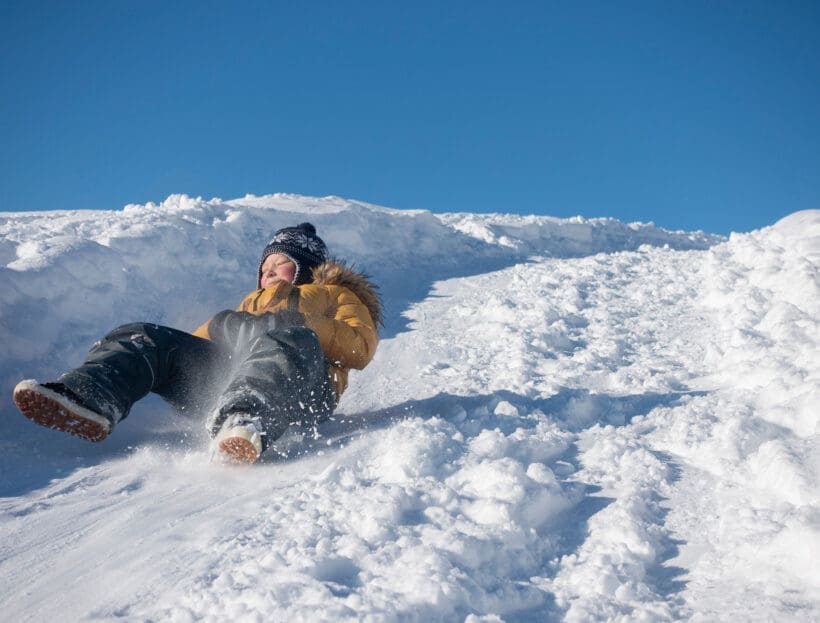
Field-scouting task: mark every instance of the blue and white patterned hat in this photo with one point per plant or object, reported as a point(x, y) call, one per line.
point(300, 244)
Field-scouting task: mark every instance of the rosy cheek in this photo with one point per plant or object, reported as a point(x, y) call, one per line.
point(288, 273)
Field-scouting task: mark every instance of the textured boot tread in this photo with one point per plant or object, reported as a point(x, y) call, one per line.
point(48, 412)
point(238, 449)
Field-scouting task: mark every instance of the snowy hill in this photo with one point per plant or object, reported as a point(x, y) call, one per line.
point(566, 419)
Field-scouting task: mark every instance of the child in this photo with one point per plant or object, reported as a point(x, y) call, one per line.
point(281, 358)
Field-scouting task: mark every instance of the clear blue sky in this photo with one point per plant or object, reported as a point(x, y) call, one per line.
point(694, 115)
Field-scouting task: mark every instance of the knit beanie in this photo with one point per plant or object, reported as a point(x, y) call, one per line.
point(302, 246)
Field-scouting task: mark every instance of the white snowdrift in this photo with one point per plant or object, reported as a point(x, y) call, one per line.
point(569, 419)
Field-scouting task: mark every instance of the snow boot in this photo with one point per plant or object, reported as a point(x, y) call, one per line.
point(54, 405)
point(240, 438)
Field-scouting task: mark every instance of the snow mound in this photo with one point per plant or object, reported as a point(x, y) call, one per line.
point(566, 419)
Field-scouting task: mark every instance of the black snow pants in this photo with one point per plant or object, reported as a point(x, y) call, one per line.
point(267, 366)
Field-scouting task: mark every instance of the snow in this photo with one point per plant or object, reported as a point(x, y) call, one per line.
point(566, 419)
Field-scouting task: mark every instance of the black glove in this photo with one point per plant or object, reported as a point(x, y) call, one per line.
point(284, 319)
point(226, 325)
point(228, 328)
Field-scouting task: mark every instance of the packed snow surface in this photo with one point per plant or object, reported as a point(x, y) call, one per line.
point(566, 420)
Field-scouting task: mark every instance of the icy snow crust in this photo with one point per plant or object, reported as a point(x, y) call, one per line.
point(566, 420)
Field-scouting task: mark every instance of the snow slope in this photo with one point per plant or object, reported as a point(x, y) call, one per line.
point(570, 419)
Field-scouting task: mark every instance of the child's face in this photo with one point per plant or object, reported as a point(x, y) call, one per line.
point(276, 268)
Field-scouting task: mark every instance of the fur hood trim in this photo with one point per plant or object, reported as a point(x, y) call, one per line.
point(339, 273)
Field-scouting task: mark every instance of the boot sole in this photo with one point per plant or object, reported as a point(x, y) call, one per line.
point(238, 449)
point(52, 410)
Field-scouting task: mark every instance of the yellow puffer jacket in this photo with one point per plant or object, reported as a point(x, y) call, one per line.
point(340, 305)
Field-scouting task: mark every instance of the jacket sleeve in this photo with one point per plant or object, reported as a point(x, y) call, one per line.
point(345, 329)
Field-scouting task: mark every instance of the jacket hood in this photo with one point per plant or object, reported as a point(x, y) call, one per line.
point(338, 273)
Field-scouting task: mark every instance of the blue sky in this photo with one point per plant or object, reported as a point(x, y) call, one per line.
point(694, 115)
